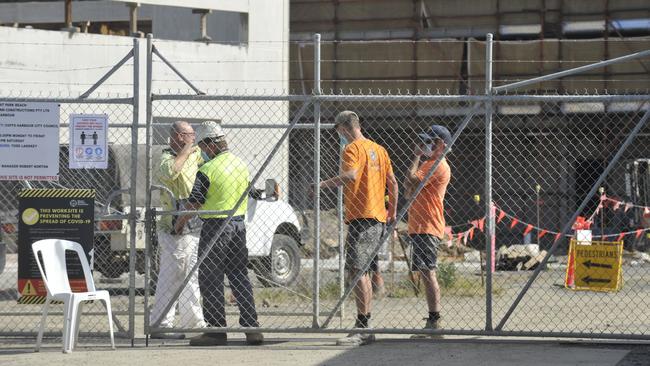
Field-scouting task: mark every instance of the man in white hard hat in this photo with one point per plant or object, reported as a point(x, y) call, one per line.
point(219, 185)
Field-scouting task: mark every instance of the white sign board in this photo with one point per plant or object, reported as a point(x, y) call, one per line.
point(29, 141)
point(88, 143)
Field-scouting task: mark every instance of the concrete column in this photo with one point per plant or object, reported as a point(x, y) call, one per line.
point(68, 18)
point(203, 24)
point(133, 20)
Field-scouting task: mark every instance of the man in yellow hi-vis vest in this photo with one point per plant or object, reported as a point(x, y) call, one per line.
point(219, 184)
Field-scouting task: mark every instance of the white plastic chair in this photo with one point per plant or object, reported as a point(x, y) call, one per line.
point(54, 273)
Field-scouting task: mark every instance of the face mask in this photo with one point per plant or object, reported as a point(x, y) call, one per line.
point(205, 156)
point(342, 140)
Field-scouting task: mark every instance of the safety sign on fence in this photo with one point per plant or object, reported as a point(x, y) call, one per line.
point(595, 265)
point(29, 141)
point(88, 143)
point(53, 214)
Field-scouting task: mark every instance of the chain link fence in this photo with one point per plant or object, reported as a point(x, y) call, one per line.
point(111, 239)
point(547, 153)
point(116, 258)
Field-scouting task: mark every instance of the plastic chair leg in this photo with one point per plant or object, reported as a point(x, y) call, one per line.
point(77, 324)
point(109, 313)
point(69, 325)
point(41, 328)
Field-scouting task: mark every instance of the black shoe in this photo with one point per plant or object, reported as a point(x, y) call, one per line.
point(254, 339)
point(167, 336)
point(209, 339)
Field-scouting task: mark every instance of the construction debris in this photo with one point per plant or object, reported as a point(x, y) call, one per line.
point(519, 257)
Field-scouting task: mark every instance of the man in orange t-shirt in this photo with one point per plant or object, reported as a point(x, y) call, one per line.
point(366, 174)
point(426, 219)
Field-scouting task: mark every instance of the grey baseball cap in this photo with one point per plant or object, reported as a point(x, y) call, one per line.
point(436, 131)
point(209, 129)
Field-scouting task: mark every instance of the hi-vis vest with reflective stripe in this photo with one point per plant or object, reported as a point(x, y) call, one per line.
point(228, 176)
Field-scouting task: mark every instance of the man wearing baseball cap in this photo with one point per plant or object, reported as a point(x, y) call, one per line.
point(219, 184)
point(366, 177)
point(426, 219)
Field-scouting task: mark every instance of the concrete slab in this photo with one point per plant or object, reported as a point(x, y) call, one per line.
point(323, 351)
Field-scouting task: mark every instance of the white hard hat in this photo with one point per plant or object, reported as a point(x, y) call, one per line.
point(209, 129)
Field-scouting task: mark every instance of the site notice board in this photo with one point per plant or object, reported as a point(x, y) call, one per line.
point(53, 214)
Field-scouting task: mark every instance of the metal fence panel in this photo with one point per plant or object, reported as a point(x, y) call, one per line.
point(111, 239)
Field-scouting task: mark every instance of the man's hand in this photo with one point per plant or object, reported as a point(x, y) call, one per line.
point(178, 227)
point(391, 216)
point(311, 190)
point(419, 150)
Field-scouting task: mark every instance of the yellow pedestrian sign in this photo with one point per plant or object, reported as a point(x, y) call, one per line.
point(597, 265)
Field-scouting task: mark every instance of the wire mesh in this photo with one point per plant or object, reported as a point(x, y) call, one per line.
point(111, 240)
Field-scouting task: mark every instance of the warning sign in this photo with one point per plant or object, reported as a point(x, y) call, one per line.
point(52, 213)
point(28, 289)
point(597, 266)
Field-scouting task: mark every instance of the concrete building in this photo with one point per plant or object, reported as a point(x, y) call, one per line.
point(248, 51)
point(436, 47)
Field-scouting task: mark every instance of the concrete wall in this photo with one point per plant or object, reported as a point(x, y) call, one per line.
point(36, 63)
point(176, 23)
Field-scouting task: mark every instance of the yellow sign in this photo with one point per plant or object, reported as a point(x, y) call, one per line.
point(598, 265)
point(29, 289)
point(30, 216)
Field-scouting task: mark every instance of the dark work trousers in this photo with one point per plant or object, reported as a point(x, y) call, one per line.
point(228, 256)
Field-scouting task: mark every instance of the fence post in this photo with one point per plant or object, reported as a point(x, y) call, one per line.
point(489, 210)
point(339, 207)
point(150, 217)
point(316, 270)
point(132, 188)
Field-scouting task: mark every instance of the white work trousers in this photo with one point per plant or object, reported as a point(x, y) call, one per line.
point(178, 254)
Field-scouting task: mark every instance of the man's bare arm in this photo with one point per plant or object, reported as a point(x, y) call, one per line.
point(393, 192)
point(339, 180)
point(412, 180)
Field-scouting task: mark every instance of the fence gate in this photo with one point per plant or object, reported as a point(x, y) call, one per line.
point(116, 260)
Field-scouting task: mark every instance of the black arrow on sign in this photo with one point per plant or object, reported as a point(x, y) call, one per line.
point(589, 280)
point(590, 264)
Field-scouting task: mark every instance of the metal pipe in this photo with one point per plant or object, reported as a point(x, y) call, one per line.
point(241, 199)
point(128, 101)
point(133, 190)
point(406, 98)
point(204, 97)
point(112, 195)
point(568, 225)
point(148, 181)
point(175, 70)
point(401, 213)
point(339, 206)
point(109, 73)
point(489, 224)
point(575, 70)
point(316, 269)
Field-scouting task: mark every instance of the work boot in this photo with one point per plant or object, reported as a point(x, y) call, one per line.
point(209, 339)
point(431, 324)
point(356, 338)
point(254, 339)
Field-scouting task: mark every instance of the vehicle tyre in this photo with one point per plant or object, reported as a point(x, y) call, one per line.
point(282, 267)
